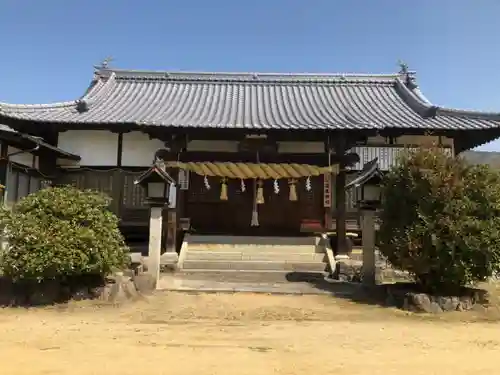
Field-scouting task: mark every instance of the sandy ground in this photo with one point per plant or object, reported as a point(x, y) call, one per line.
point(179, 334)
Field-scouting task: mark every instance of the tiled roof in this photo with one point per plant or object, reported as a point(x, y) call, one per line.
point(253, 101)
point(8, 133)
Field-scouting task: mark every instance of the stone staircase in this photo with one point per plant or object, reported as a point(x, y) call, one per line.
point(239, 253)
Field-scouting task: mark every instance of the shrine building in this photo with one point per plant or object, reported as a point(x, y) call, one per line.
point(256, 156)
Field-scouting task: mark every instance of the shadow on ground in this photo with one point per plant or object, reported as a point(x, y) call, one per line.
point(355, 292)
point(404, 295)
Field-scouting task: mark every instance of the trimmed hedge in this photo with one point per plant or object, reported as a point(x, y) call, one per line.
point(61, 233)
point(440, 220)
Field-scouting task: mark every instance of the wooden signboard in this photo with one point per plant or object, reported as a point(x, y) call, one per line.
point(327, 190)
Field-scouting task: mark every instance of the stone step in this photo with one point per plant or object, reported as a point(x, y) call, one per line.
point(306, 249)
point(254, 277)
point(254, 266)
point(255, 256)
point(251, 240)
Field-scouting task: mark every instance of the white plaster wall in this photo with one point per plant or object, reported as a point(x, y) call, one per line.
point(301, 147)
point(95, 147)
point(25, 158)
point(215, 146)
point(232, 146)
point(138, 150)
point(412, 140)
point(377, 140)
point(424, 140)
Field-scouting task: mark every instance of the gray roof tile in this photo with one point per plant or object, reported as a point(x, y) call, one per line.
point(34, 141)
point(253, 101)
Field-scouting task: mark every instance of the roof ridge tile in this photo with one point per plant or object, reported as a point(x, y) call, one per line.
point(243, 76)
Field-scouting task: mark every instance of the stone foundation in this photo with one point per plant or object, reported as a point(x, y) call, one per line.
point(409, 298)
point(351, 270)
point(115, 289)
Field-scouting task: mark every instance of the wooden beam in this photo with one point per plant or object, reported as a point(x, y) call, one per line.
point(250, 157)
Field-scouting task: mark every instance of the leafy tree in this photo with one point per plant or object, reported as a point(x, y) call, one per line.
point(59, 233)
point(440, 220)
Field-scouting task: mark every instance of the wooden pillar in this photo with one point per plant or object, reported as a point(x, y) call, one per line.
point(171, 231)
point(340, 200)
point(155, 235)
point(171, 213)
point(368, 235)
point(4, 169)
point(328, 195)
point(180, 210)
point(340, 197)
point(327, 200)
point(47, 161)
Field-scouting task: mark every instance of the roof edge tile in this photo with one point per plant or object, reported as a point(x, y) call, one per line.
point(246, 76)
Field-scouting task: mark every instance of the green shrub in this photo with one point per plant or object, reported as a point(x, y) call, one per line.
point(61, 232)
point(440, 220)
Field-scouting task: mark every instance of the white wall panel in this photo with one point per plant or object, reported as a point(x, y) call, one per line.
point(301, 147)
point(95, 147)
point(215, 146)
point(138, 150)
point(25, 158)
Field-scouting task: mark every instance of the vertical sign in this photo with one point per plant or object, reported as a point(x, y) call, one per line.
point(183, 179)
point(327, 190)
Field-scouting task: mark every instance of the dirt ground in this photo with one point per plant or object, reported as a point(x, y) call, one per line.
point(173, 333)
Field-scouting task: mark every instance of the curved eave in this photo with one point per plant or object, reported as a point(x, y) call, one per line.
point(26, 141)
point(253, 101)
point(370, 170)
point(98, 89)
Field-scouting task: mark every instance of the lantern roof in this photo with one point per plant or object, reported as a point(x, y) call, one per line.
point(370, 171)
point(155, 174)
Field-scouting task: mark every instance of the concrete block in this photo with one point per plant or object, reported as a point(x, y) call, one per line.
point(169, 258)
point(136, 258)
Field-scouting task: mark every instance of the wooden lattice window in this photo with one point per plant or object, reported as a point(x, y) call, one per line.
point(100, 181)
point(308, 198)
point(133, 195)
point(198, 192)
point(351, 194)
point(76, 179)
point(22, 182)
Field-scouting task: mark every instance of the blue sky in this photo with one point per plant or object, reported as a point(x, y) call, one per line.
point(48, 47)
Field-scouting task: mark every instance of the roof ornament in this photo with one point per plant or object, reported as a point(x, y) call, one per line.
point(104, 63)
point(82, 105)
point(403, 67)
point(159, 157)
point(408, 75)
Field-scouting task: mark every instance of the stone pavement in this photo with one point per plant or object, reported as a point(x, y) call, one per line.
point(255, 282)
